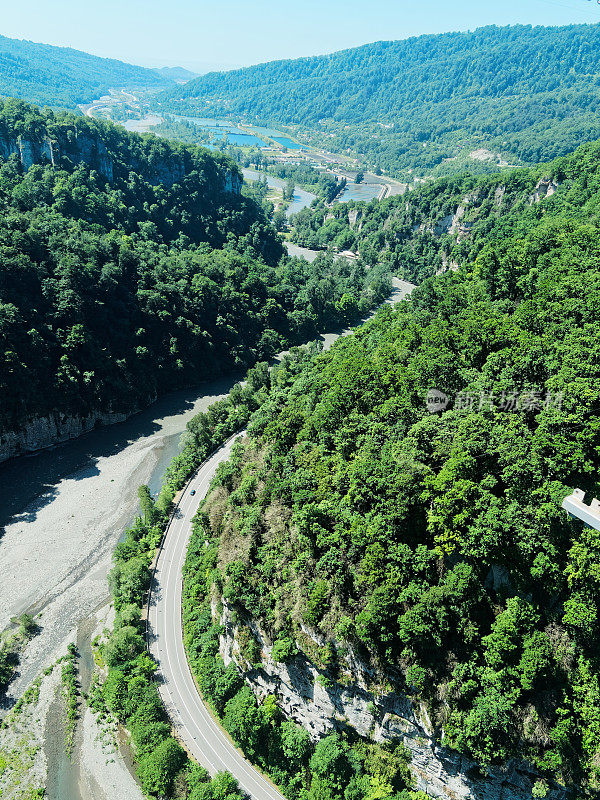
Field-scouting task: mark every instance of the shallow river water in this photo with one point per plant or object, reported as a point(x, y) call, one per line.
point(62, 512)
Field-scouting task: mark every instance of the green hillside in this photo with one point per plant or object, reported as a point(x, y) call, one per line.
point(528, 93)
point(432, 545)
point(132, 266)
point(63, 77)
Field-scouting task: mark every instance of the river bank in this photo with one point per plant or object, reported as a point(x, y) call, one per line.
point(63, 512)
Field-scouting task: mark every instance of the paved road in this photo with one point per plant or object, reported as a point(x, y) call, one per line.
point(195, 726)
point(202, 736)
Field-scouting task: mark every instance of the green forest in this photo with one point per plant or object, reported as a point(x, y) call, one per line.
point(61, 77)
point(433, 544)
point(356, 528)
point(421, 105)
point(114, 291)
point(281, 748)
point(439, 225)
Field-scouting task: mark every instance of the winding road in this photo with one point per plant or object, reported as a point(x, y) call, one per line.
point(195, 726)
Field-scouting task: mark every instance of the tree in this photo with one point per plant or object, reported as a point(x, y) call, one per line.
point(123, 646)
point(290, 188)
point(147, 505)
point(159, 768)
point(244, 721)
point(297, 745)
point(114, 691)
point(128, 581)
point(284, 649)
point(330, 767)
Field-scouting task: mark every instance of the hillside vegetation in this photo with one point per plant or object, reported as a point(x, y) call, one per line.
point(433, 544)
point(528, 93)
point(63, 77)
point(447, 223)
point(282, 748)
point(114, 290)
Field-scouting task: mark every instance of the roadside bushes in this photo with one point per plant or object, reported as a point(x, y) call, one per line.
point(129, 691)
point(159, 768)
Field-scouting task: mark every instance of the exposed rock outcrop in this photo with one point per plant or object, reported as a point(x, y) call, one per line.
point(40, 432)
point(87, 147)
point(458, 225)
point(352, 217)
point(546, 187)
point(83, 148)
point(447, 266)
point(320, 706)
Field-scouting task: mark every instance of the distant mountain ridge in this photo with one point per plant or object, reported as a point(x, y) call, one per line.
point(528, 93)
point(179, 74)
point(63, 77)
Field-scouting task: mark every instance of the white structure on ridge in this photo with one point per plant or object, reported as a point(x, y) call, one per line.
point(573, 504)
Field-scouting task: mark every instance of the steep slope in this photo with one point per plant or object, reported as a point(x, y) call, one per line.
point(420, 561)
point(132, 266)
point(529, 93)
point(446, 223)
point(63, 77)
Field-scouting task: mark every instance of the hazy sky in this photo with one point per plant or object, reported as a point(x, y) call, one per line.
point(225, 33)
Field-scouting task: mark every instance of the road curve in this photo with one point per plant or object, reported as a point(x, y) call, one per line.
point(202, 736)
point(195, 726)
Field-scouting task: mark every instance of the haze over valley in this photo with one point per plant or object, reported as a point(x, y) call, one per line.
point(298, 403)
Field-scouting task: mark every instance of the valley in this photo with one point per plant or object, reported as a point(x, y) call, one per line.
point(298, 364)
point(67, 591)
point(135, 113)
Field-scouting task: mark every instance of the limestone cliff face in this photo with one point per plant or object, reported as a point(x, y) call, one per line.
point(233, 183)
point(87, 147)
point(40, 432)
point(546, 187)
point(321, 706)
point(83, 148)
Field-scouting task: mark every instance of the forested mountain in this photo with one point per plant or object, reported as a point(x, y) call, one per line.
point(430, 229)
point(63, 77)
point(354, 526)
point(528, 93)
point(176, 73)
point(131, 266)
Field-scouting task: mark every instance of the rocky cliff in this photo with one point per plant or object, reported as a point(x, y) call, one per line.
point(86, 146)
point(40, 432)
point(308, 696)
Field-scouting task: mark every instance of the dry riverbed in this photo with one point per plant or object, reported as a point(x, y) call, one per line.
point(56, 552)
point(33, 754)
point(63, 513)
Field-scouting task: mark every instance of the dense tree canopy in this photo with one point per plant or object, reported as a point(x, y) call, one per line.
point(446, 223)
point(423, 104)
point(434, 543)
point(63, 77)
point(114, 291)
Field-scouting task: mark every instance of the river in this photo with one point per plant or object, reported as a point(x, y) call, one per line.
point(62, 512)
point(301, 198)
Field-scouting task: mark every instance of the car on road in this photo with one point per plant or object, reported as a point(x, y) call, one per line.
point(193, 492)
